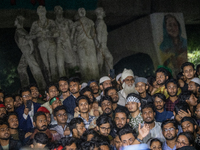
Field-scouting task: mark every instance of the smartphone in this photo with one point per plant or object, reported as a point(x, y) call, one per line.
point(28, 104)
point(112, 73)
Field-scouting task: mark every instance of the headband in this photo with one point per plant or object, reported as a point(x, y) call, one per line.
point(132, 99)
point(53, 100)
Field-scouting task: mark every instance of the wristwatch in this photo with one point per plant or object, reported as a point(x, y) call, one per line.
point(139, 140)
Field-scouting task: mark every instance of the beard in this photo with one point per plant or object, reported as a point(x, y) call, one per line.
point(149, 122)
point(170, 137)
point(129, 89)
point(43, 128)
point(173, 94)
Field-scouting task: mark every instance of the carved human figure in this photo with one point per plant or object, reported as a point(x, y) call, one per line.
point(65, 52)
point(103, 54)
point(44, 30)
point(25, 44)
point(84, 38)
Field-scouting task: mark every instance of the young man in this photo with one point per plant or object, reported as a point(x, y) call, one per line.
point(9, 103)
point(189, 98)
point(194, 86)
point(189, 73)
point(52, 91)
point(141, 87)
point(133, 104)
point(62, 127)
point(106, 105)
point(69, 143)
point(117, 142)
point(197, 113)
point(5, 142)
point(17, 100)
point(35, 94)
point(77, 127)
point(40, 141)
point(1, 95)
point(128, 85)
point(104, 83)
point(148, 115)
point(2, 111)
point(47, 113)
point(112, 92)
point(70, 102)
point(25, 114)
point(172, 90)
point(64, 87)
point(82, 102)
point(159, 103)
point(170, 131)
point(95, 89)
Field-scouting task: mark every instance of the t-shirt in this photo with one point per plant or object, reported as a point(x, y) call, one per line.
point(5, 147)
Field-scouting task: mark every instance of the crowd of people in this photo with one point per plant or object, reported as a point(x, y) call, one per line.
point(127, 112)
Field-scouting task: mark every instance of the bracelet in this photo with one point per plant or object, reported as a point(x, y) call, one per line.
point(139, 140)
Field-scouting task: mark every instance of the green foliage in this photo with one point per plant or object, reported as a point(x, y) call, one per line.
point(194, 57)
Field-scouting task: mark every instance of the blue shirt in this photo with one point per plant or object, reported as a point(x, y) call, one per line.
point(166, 147)
point(70, 104)
point(160, 117)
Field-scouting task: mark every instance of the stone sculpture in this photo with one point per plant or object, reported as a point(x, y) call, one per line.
point(84, 40)
point(25, 44)
point(103, 54)
point(65, 53)
point(44, 30)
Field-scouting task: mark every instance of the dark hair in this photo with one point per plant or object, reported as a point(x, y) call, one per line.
point(100, 138)
point(63, 79)
point(25, 89)
point(89, 145)
point(16, 96)
point(2, 122)
point(104, 119)
point(155, 140)
point(39, 113)
point(85, 89)
point(189, 136)
point(8, 95)
point(122, 110)
point(67, 141)
point(124, 131)
point(74, 122)
point(163, 70)
point(108, 89)
point(185, 96)
point(57, 109)
point(171, 80)
point(80, 98)
point(10, 114)
point(197, 68)
point(181, 106)
point(148, 105)
point(41, 138)
point(134, 95)
point(33, 85)
point(159, 95)
point(2, 91)
point(169, 121)
point(74, 79)
point(187, 64)
point(179, 75)
point(151, 80)
point(50, 85)
point(192, 120)
point(87, 132)
point(108, 98)
point(103, 143)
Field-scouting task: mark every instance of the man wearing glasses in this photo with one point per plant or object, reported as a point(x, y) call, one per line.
point(27, 110)
point(170, 131)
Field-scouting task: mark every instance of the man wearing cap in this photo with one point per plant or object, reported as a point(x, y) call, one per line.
point(95, 89)
point(2, 111)
point(47, 113)
point(141, 87)
point(104, 83)
point(133, 104)
point(128, 85)
point(194, 86)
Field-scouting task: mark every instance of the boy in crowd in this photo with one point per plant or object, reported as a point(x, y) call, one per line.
point(64, 88)
point(95, 89)
point(9, 103)
point(106, 105)
point(35, 94)
point(194, 86)
point(77, 127)
point(104, 82)
point(17, 100)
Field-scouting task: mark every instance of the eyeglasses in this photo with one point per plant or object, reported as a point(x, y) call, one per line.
point(25, 96)
point(181, 143)
point(170, 129)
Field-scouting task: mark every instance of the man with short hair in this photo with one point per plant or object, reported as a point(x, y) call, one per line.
point(189, 73)
point(148, 115)
point(64, 87)
point(77, 127)
point(172, 90)
point(170, 131)
point(27, 110)
point(9, 103)
point(70, 102)
point(40, 141)
point(104, 82)
point(2, 111)
point(142, 87)
point(69, 143)
point(117, 142)
point(128, 85)
point(95, 89)
point(82, 102)
point(17, 100)
point(194, 86)
point(35, 94)
point(106, 105)
point(133, 104)
point(5, 142)
point(159, 103)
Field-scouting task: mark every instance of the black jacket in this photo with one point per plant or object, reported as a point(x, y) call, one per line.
point(13, 145)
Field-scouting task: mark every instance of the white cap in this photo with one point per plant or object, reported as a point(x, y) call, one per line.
point(196, 80)
point(103, 79)
point(83, 85)
point(126, 73)
point(118, 76)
